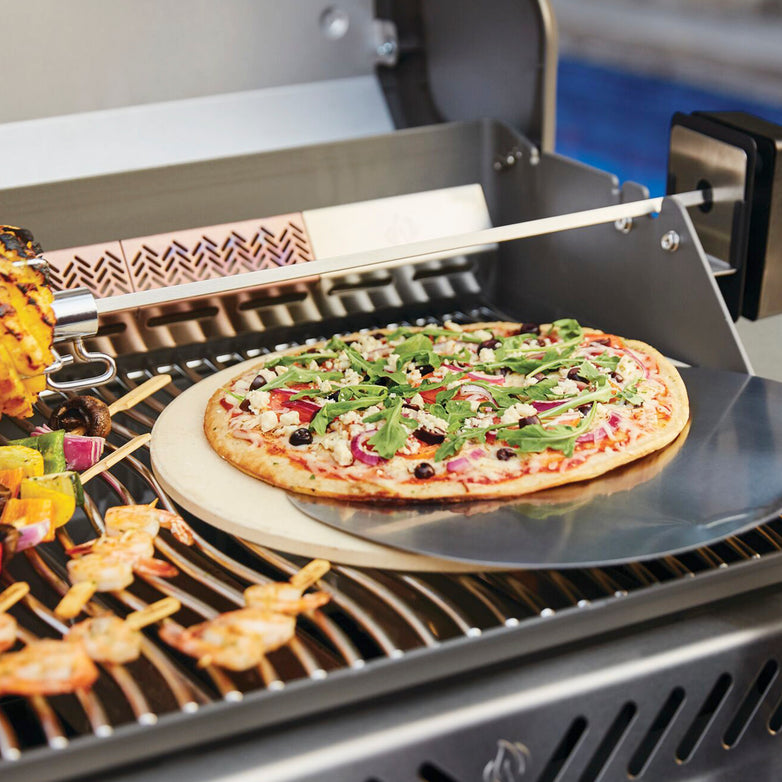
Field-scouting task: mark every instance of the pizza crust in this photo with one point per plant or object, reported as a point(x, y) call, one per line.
point(276, 464)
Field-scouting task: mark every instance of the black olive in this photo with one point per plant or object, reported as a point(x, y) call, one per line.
point(423, 470)
point(528, 421)
point(258, 381)
point(584, 409)
point(333, 396)
point(383, 381)
point(301, 436)
point(408, 406)
point(529, 328)
point(430, 438)
point(539, 376)
point(573, 375)
point(490, 344)
point(505, 453)
point(426, 369)
point(616, 376)
point(505, 371)
point(82, 415)
point(245, 405)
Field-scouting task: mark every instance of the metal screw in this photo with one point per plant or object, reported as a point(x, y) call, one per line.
point(624, 225)
point(387, 49)
point(534, 156)
point(386, 42)
point(670, 242)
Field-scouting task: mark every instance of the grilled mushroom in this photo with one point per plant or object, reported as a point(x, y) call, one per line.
point(82, 415)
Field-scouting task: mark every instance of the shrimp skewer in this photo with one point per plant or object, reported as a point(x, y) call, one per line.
point(286, 597)
point(8, 628)
point(46, 667)
point(236, 640)
point(240, 639)
point(124, 518)
point(109, 639)
point(109, 566)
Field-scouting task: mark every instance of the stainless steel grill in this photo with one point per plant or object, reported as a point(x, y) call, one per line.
point(373, 615)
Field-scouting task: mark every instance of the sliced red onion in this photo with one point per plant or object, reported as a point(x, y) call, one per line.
point(614, 420)
point(305, 409)
point(39, 430)
point(469, 389)
point(593, 437)
point(541, 407)
point(32, 534)
point(82, 452)
point(476, 454)
point(458, 465)
point(361, 450)
point(637, 360)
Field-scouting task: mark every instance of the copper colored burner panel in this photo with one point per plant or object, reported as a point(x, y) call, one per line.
point(147, 262)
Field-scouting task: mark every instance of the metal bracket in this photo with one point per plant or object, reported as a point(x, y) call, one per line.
point(85, 356)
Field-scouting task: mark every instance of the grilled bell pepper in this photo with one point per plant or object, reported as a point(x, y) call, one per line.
point(51, 448)
point(11, 478)
point(63, 489)
point(29, 459)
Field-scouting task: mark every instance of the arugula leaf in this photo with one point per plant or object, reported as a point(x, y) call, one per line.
point(603, 394)
point(568, 329)
point(394, 432)
point(536, 438)
point(331, 410)
point(303, 358)
point(299, 375)
point(631, 395)
point(418, 348)
point(541, 391)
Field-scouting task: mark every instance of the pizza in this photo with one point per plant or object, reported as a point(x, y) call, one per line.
point(451, 412)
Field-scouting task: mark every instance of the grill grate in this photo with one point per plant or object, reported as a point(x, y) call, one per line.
point(373, 614)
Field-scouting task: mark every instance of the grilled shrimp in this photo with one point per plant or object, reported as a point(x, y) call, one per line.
point(46, 668)
point(287, 597)
point(135, 547)
point(7, 631)
point(283, 598)
point(222, 645)
point(107, 639)
point(123, 518)
point(107, 572)
point(236, 640)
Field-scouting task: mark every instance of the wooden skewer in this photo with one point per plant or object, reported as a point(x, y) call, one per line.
point(13, 595)
point(311, 573)
point(153, 613)
point(115, 456)
point(139, 393)
point(75, 599)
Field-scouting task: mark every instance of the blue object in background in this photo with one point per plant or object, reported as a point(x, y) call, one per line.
point(620, 121)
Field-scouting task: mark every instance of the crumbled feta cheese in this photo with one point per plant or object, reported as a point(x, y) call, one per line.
point(451, 326)
point(517, 411)
point(341, 361)
point(482, 334)
point(323, 385)
point(417, 400)
point(280, 370)
point(371, 410)
point(413, 375)
point(428, 421)
point(352, 377)
point(313, 365)
point(392, 360)
point(339, 447)
point(412, 445)
point(289, 418)
point(351, 417)
point(486, 355)
point(268, 420)
point(628, 369)
point(565, 388)
point(258, 400)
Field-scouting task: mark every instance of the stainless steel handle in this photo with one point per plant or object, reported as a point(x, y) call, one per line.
point(83, 355)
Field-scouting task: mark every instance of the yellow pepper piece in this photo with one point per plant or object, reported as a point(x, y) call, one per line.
point(63, 505)
point(23, 513)
point(30, 460)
